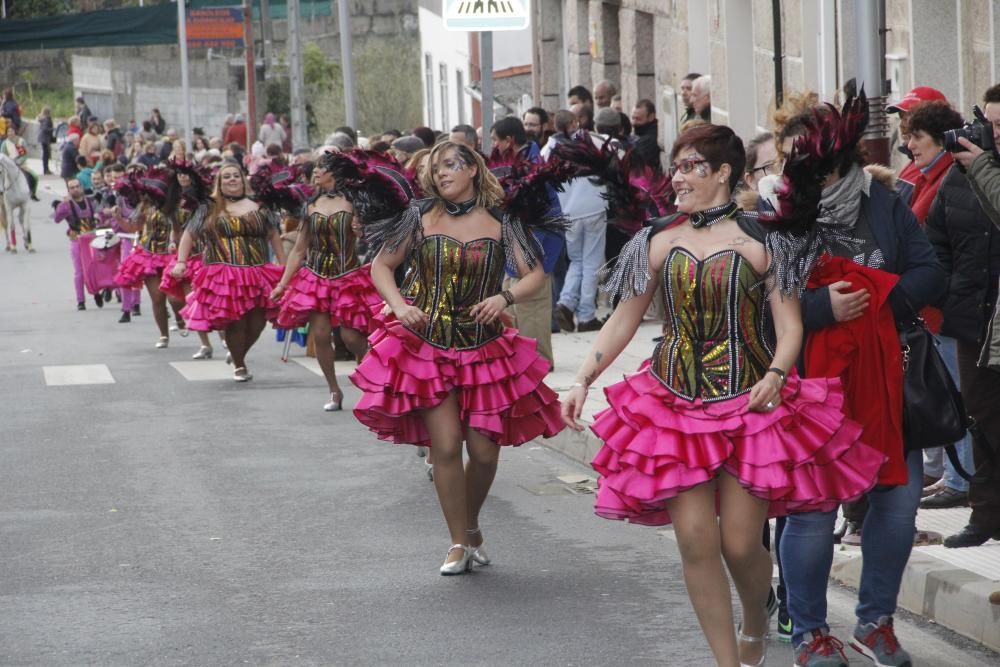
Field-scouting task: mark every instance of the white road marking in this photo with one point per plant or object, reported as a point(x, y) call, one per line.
point(308, 363)
point(206, 369)
point(61, 376)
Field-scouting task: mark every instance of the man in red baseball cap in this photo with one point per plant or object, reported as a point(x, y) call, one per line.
point(909, 174)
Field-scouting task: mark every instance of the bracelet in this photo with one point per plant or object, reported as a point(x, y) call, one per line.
point(580, 384)
point(180, 261)
point(780, 373)
point(508, 296)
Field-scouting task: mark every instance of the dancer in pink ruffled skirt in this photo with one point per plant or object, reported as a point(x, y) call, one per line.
point(155, 217)
point(446, 369)
point(325, 282)
point(232, 290)
point(716, 425)
point(194, 183)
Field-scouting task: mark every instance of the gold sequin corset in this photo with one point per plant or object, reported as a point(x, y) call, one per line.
point(333, 247)
point(716, 348)
point(156, 232)
point(450, 277)
point(237, 240)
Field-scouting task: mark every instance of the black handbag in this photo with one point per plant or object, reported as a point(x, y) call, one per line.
point(933, 411)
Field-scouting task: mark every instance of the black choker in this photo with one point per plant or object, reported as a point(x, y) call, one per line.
point(234, 199)
point(709, 217)
point(459, 209)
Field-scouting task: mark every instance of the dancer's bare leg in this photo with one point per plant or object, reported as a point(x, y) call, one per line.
point(697, 529)
point(741, 521)
point(445, 430)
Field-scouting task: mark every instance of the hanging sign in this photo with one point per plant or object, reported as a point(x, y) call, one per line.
point(486, 15)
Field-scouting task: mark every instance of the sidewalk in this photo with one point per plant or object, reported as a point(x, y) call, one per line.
point(951, 587)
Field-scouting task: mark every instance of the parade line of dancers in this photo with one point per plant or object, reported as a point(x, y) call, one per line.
point(718, 431)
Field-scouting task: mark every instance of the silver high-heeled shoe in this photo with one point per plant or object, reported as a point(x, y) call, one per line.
point(204, 352)
point(740, 637)
point(478, 553)
point(460, 566)
point(336, 402)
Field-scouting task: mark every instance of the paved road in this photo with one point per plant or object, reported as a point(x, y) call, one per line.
point(159, 520)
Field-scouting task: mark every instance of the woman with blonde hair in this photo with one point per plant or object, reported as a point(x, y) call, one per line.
point(446, 369)
point(232, 290)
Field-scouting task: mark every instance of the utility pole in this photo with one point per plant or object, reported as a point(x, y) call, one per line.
point(300, 137)
point(345, 61)
point(486, 85)
point(869, 74)
point(185, 84)
point(251, 75)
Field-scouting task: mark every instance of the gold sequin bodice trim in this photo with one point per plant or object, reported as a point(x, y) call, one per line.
point(716, 348)
point(237, 240)
point(333, 247)
point(449, 277)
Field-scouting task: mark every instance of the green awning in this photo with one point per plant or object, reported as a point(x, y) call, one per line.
point(134, 26)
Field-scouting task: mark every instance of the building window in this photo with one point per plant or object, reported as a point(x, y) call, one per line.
point(460, 93)
point(444, 95)
point(429, 87)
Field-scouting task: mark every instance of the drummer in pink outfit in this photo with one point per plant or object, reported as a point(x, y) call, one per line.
point(715, 432)
point(231, 292)
point(447, 370)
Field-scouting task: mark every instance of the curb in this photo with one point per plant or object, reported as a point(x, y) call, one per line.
point(938, 591)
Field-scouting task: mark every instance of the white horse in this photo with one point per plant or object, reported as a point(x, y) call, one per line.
point(16, 195)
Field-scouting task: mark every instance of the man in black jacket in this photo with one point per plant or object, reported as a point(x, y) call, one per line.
point(958, 226)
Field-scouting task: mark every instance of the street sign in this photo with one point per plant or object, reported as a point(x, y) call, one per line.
point(485, 15)
point(219, 28)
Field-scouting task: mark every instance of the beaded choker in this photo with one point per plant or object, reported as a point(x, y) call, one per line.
point(234, 199)
point(709, 217)
point(459, 209)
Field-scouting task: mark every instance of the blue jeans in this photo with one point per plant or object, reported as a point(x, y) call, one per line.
point(951, 479)
point(585, 241)
point(886, 541)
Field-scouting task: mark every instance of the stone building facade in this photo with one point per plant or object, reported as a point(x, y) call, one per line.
point(646, 47)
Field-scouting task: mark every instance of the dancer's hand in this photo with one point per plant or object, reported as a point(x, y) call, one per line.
point(766, 394)
point(276, 293)
point(178, 270)
point(572, 406)
point(488, 310)
point(411, 316)
point(357, 228)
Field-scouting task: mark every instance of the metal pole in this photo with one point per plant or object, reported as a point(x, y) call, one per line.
point(779, 83)
point(869, 75)
point(251, 73)
point(300, 137)
point(185, 84)
point(486, 85)
point(267, 34)
point(345, 61)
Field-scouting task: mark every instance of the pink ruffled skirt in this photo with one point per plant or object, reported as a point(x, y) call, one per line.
point(804, 455)
point(348, 299)
point(499, 387)
point(222, 294)
point(175, 288)
point(139, 264)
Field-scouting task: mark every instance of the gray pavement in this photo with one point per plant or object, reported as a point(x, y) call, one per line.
point(158, 520)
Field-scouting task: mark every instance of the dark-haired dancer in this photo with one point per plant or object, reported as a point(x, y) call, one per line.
point(155, 214)
point(446, 370)
point(325, 283)
point(231, 292)
point(194, 184)
point(716, 431)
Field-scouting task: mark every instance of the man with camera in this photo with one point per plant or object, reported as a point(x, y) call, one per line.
point(974, 147)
